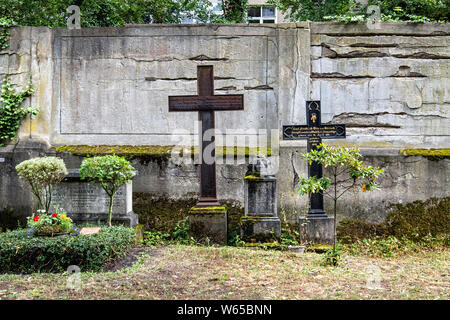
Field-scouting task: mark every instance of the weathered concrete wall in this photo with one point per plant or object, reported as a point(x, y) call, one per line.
point(109, 86)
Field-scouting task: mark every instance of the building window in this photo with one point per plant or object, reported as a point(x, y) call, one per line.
point(261, 14)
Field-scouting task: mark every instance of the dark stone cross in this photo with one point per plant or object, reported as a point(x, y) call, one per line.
point(314, 131)
point(206, 103)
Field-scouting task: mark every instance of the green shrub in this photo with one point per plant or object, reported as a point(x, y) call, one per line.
point(181, 233)
point(111, 171)
point(22, 253)
point(290, 237)
point(42, 174)
point(155, 238)
point(332, 257)
point(234, 239)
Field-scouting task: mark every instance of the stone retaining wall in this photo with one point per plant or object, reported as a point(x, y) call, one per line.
point(109, 86)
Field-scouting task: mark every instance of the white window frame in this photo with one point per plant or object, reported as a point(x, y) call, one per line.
point(262, 18)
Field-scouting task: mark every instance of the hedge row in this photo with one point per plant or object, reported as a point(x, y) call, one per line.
point(22, 254)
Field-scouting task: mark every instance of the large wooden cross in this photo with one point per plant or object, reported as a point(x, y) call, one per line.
point(206, 103)
point(314, 131)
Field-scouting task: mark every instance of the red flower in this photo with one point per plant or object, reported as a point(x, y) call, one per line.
point(36, 218)
point(54, 215)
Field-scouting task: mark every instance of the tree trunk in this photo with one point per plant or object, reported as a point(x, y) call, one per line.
point(335, 202)
point(111, 201)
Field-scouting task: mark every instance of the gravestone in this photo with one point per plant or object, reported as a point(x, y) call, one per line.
point(208, 219)
point(88, 202)
point(261, 221)
point(317, 227)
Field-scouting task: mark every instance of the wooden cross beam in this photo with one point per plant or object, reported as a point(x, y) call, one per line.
point(206, 103)
point(314, 131)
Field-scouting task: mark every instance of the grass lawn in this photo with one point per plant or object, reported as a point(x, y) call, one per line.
point(190, 272)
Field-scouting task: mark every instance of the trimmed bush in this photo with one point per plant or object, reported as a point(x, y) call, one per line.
point(111, 171)
point(21, 253)
point(42, 174)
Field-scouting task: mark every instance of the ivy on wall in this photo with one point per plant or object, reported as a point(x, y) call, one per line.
point(4, 34)
point(11, 110)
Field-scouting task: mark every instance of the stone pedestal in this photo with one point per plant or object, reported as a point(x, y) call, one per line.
point(88, 202)
point(317, 230)
point(261, 222)
point(209, 222)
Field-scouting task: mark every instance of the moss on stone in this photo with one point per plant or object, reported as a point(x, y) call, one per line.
point(144, 154)
point(418, 219)
point(319, 248)
point(163, 214)
point(250, 219)
point(158, 153)
point(415, 220)
point(263, 245)
point(115, 149)
point(160, 213)
point(208, 210)
point(238, 151)
point(431, 154)
point(249, 236)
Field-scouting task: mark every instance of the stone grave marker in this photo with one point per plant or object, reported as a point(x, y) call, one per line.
point(317, 227)
point(88, 202)
point(261, 221)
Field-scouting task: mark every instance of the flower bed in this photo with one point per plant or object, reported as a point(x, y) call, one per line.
point(22, 253)
point(53, 224)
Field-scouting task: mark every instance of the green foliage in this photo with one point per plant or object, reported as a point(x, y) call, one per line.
point(180, 235)
point(414, 221)
point(42, 174)
point(351, 10)
point(22, 254)
point(235, 11)
point(346, 170)
point(11, 112)
point(234, 239)
point(156, 238)
point(5, 24)
point(332, 257)
point(342, 161)
point(106, 13)
point(312, 10)
point(50, 224)
point(111, 171)
point(289, 237)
